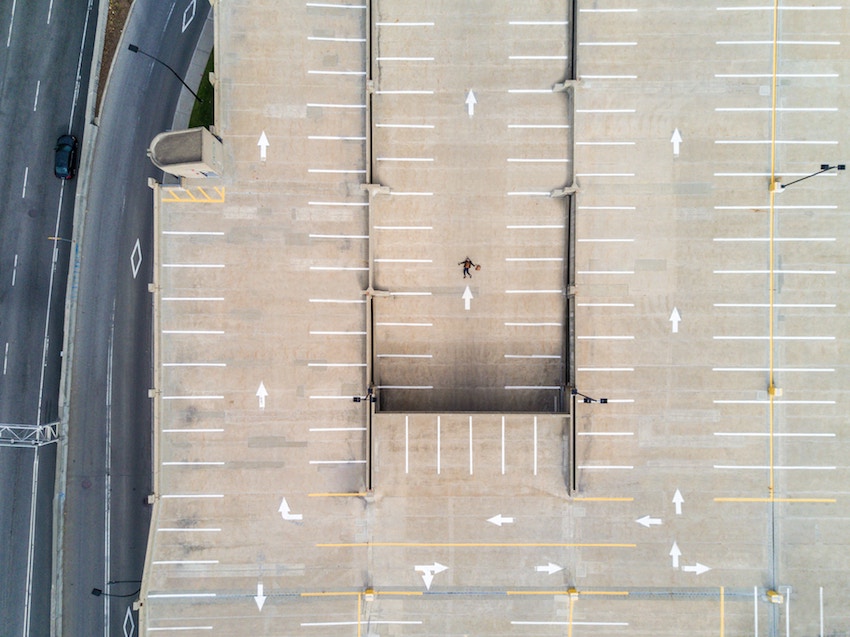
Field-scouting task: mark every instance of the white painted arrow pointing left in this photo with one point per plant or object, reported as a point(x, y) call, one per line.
point(499, 520)
point(648, 521)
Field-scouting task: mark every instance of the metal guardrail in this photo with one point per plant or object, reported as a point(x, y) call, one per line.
point(17, 435)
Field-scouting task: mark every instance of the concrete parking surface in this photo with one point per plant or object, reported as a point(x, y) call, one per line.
point(343, 448)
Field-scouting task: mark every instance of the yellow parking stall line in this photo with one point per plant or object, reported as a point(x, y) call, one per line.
point(722, 611)
point(477, 545)
point(177, 194)
point(772, 499)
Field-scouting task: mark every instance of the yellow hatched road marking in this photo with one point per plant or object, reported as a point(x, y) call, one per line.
point(196, 194)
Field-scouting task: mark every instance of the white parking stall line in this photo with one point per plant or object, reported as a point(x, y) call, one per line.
point(208, 332)
point(336, 364)
point(534, 291)
point(314, 38)
point(590, 304)
point(336, 171)
point(780, 76)
point(818, 272)
point(338, 236)
point(404, 59)
point(606, 337)
point(781, 42)
point(787, 370)
point(405, 356)
point(413, 126)
point(337, 462)
point(404, 227)
point(539, 126)
point(764, 434)
point(335, 333)
point(775, 338)
point(348, 73)
point(405, 92)
point(779, 109)
point(342, 138)
point(193, 265)
point(344, 301)
point(731, 401)
point(607, 43)
point(526, 259)
point(534, 324)
point(390, 324)
point(404, 24)
point(328, 5)
point(192, 298)
point(534, 356)
point(778, 305)
point(605, 369)
point(337, 268)
point(777, 467)
point(542, 226)
point(775, 239)
point(329, 105)
point(193, 233)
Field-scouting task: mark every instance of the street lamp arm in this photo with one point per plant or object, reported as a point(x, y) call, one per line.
point(136, 49)
point(823, 169)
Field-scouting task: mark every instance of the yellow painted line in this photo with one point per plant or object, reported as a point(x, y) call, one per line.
point(722, 612)
point(477, 545)
point(175, 194)
point(572, 603)
point(771, 251)
point(359, 613)
point(336, 495)
point(600, 499)
point(773, 499)
point(620, 593)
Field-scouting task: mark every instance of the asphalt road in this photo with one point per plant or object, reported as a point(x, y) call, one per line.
point(44, 69)
point(106, 515)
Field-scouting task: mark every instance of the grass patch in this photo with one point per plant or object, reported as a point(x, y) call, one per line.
point(203, 113)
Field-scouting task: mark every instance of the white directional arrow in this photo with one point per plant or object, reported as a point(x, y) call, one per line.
point(499, 520)
point(675, 317)
point(261, 394)
point(678, 500)
point(467, 298)
point(549, 568)
point(428, 571)
point(675, 553)
point(676, 140)
point(648, 521)
point(697, 568)
point(260, 598)
point(285, 514)
point(263, 143)
point(470, 103)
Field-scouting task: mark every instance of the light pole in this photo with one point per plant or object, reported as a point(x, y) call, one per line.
point(778, 186)
point(97, 592)
point(572, 456)
point(136, 49)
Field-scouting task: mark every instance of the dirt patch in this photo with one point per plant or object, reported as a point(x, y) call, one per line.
point(118, 12)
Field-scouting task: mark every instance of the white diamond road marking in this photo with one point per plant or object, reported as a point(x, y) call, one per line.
point(128, 617)
point(187, 16)
point(136, 258)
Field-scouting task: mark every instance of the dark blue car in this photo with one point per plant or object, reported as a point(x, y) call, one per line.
point(66, 157)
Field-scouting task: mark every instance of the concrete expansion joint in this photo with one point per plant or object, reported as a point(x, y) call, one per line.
point(565, 191)
point(566, 85)
point(375, 189)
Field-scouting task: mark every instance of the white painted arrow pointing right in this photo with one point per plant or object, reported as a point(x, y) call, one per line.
point(697, 568)
point(549, 568)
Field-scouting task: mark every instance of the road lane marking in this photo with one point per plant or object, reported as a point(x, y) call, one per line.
point(405, 356)
point(11, 24)
point(35, 101)
point(14, 270)
point(556, 356)
point(438, 445)
point(6, 358)
point(26, 175)
point(389, 324)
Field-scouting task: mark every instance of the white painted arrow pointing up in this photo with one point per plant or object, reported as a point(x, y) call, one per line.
point(261, 394)
point(470, 103)
point(676, 140)
point(263, 143)
point(285, 514)
point(467, 298)
point(260, 598)
point(678, 500)
point(675, 317)
point(675, 553)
